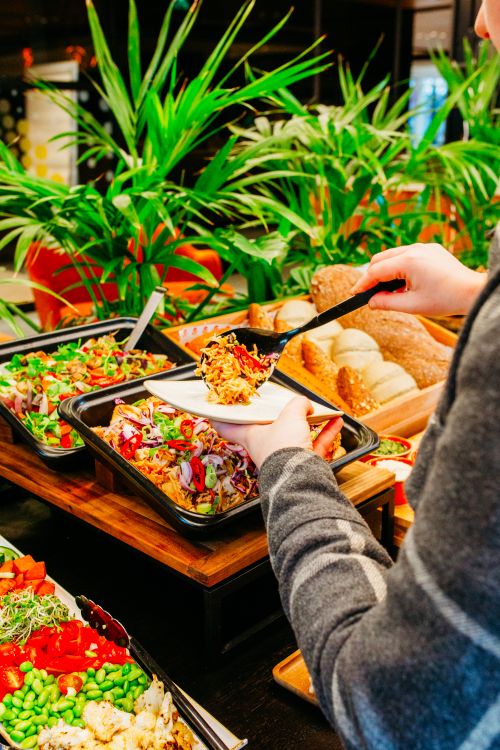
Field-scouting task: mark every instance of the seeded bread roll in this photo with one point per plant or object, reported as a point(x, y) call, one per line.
point(259, 318)
point(347, 387)
point(401, 337)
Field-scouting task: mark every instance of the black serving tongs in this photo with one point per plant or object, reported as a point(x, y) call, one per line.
point(113, 630)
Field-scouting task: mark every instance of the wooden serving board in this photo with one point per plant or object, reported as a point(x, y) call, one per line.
point(292, 674)
point(129, 519)
point(403, 416)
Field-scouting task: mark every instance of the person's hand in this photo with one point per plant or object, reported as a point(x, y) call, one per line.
point(290, 430)
point(436, 282)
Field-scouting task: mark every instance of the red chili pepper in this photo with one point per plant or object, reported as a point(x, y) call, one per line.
point(198, 473)
point(66, 441)
point(187, 427)
point(130, 446)
point(180, 445)
point(246, 359)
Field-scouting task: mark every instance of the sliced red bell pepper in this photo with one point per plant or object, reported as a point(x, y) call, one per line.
point(180, 445)
point(198, 473)
point(130, 446)
point(245, 359)
point(66, 441)
point(186, 428)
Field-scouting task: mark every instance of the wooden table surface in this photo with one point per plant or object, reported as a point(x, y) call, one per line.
point(129, 519)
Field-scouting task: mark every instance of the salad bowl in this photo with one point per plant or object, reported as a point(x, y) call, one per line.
point(68, 458)
point(95, 409)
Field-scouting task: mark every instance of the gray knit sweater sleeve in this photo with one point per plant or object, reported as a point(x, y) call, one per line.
point(404, 656)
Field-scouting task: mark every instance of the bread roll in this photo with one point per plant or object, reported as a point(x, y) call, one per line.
point(353, 390)
point(296, 312)
point(388, 380)
point(355, 348)
point(324, 335)
point(259, 318)
point(402, 338)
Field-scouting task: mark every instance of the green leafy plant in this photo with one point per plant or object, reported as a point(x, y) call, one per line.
point(129, 233)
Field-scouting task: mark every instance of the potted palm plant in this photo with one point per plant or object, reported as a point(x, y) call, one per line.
point(129, 234)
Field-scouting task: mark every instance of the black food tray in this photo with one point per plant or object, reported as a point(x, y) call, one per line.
point(152, 340)
point(95, 408)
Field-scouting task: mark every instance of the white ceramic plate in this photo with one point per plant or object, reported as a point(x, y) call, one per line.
point(264, 407)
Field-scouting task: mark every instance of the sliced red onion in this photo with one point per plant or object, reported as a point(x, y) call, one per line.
point(165, 409)
point(18, 404)
point(119, 359)
point(212, 458)
point(199, 448)
point(29, 395)
point(128, 431)
point(152, 442)
point(44, 404)
point(235, 448)
point(117, 400)
point(185, 475)
point(200, 426)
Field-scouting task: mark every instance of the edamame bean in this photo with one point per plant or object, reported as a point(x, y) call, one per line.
point(118, 693)
point(143, 680)
point(26, 666)
point(106, 685)
point(137, 691)
point(3, 709)
point(19, 694)
point(28, 705)
point(128, 704)
point(108, 696)
point(8, 715)
point(126, 668)
point(43, 697)
point(90, 686)
point(50, 680)
point(22, 726)
point(17, 702)
point(79, 723)
point(100, 676)
point(116, 675)
point(91, 671)
point(30, 742)
point(61, 706)
point(55, 693)
point(37, 685)
point(43, 674)
point(68, 716)
point(52, 721)
point(108, 667)
point(17, 736)
point(30, 676)
point(94, 695)
point(39, 721)
point(24, 714)
point(7, 699)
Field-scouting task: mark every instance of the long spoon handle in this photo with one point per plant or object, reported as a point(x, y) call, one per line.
point(348, 305)
point(144, 318)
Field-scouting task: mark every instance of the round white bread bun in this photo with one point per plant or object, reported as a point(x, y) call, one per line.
point(324, 335)
point(355, 348)
point(296, 312)
point(387, 380)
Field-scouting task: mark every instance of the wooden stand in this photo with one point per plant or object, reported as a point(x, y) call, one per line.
point(219, 566)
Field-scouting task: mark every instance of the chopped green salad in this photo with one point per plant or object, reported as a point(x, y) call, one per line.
point(33, 385)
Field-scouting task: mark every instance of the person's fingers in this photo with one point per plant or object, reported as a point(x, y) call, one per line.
point(409, 302)
point(371, 277)
point(235, 433)
point(392, 268)
point(327, 435)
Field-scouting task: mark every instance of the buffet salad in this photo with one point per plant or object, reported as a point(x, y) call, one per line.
point(33, 385)
point(63, 685)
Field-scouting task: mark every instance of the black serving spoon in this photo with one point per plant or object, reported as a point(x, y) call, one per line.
point(271, 344)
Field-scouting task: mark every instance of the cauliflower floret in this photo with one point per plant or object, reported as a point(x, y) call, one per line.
point(151, 699)
point(65, 737)
point(104, 720)
point(145, 721)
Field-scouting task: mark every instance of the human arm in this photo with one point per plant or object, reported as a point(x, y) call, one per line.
point(436, 282)
point(408, 656)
